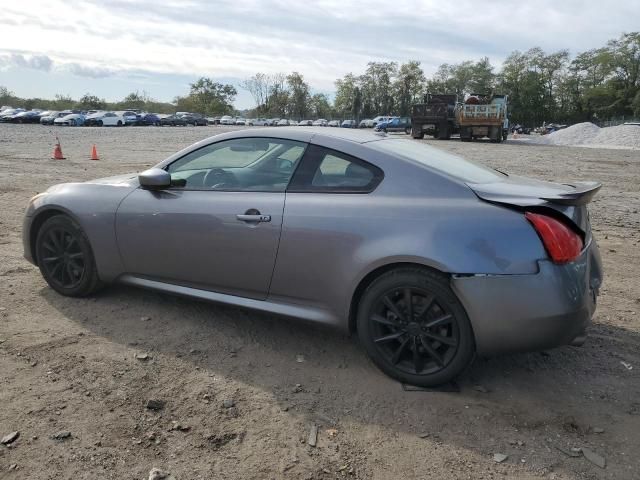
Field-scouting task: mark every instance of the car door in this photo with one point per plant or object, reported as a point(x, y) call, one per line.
point(218, 227)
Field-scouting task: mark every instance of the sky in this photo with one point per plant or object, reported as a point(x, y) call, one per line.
point(113, 47)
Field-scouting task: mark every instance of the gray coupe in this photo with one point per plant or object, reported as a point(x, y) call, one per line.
point(429, 257)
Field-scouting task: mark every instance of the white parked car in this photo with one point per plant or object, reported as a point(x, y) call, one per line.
point(240, 121)
point(305, 123)
point(72, 120)
point(334, 123)
point(283, 122)
point(130, 118)
point(377, 120)
point(321, 122)
point(108, 119)
point(260, 122)
point(293, 123)
point(227, 120)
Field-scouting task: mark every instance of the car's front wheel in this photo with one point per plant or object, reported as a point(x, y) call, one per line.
point(65, 257)
point(414, 328)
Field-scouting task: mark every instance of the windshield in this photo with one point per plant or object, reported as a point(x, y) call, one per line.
point(453, 165)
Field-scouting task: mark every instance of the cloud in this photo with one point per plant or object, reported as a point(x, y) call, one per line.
point(323, 39)
point(87, 70)
point(36, 62)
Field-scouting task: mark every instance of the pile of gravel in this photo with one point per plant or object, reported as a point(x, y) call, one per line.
point(587, 134)
point(621, 136)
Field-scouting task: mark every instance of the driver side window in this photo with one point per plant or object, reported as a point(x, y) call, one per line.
point(242, 164)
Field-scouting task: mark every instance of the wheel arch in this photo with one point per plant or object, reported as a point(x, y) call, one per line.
point(38, 220)
point(373, 275)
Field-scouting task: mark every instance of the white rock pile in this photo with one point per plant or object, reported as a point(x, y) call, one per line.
point(587, 134)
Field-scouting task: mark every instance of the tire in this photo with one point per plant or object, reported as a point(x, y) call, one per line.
point(119, 123)
point(72, 123)
point(75, 273)
point(417, 134)
point(407, 131)
point(100, 123)
point(440, 331)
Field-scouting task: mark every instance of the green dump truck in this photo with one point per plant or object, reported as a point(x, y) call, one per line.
point(436, 116)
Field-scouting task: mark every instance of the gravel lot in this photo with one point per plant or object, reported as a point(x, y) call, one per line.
point(69, 365)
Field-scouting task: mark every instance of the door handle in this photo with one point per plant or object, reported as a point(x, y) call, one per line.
point(254, 218)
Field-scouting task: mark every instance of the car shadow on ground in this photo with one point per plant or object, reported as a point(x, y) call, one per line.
point(538, 396)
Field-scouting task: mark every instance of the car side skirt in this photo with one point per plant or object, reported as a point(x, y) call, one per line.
point(312, 314)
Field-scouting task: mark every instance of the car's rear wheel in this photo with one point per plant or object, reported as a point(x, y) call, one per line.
point(119, 123)
point(414, 328)
point(100, 123)
point(65, 257)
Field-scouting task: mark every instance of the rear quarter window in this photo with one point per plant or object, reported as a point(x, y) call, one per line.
point(453, 165)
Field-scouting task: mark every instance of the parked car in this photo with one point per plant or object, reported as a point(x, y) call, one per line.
point(107, 119)
point(395, 124)
point(9, 113)
point(149, 119)
point(375, 121)
point(194, 119)
point(227, 120)
point(305, 123)
point(71, 120)
point(283, 122)
point(30, 116)
point(293, 123)
point(348, 124)
point(333, 123)
point(173, 121)
point(240, 121)
point(49, 119)
point(321, 122)
point(213, 120)
point(505, 264)
point(130, 117)
point(92, 119)
point(363, 123)
point(258, 122)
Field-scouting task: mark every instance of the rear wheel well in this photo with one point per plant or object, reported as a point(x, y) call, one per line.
point(371, 276)
point(35, 228)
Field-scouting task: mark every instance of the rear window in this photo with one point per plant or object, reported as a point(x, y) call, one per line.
point(453, 165)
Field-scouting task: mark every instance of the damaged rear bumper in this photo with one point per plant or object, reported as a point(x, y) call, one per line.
point(518, 313)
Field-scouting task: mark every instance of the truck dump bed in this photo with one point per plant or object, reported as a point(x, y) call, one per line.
point(486, 114)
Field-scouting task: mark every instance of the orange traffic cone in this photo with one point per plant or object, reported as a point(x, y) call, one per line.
point(94, 153)
point(57, 151)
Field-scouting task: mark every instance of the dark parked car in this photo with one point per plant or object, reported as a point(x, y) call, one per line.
point(173, 121)
point(148, 119)
point(427, 257)
point(194, 119)
point(397, 124)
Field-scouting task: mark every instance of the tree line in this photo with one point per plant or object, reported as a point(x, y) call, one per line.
point(595, 85)
point(205, 96)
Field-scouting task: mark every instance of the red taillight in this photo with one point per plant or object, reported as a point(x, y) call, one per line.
point(562, 244)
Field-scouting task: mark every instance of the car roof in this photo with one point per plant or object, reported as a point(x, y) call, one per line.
point(352, 135)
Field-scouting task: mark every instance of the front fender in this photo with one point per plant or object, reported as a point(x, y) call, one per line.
point(93, 206)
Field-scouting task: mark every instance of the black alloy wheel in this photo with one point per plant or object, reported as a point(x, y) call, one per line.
point(65, 257)
point(414, 328)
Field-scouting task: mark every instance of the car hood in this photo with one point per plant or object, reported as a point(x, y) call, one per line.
point(127, 179)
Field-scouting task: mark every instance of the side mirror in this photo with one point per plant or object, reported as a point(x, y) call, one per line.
point(155, 179)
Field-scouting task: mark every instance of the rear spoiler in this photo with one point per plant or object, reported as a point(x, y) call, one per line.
point(528, 193)
point(581, 195)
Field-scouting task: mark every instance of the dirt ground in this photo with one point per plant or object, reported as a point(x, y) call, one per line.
point(69, 365)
